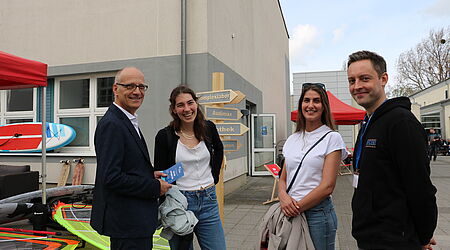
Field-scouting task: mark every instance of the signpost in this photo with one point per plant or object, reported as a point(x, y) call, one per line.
point(231, 145)
point(231, 128)
point(218, 96)
point(232, 114)
point(214, 110)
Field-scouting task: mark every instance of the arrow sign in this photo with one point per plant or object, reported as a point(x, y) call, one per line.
point(240, 96)
point(222, 113)
point(231, 145)
point(231, 128)
point(221, 96)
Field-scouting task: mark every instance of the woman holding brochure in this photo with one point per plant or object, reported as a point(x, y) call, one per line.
point(312, 156)
point(195, 143)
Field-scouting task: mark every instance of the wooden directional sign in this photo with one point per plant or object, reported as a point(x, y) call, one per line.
point(220, 96)
point(240, 96)
point(230, 145)
point(231, 128)
point(212, 113)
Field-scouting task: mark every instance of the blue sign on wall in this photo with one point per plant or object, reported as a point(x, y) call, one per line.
point(263, 130)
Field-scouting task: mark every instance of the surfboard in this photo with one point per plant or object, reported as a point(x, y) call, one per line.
point(27, 137)
point(66, 194)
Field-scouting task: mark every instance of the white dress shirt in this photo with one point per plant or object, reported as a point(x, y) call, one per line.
point(133, 119)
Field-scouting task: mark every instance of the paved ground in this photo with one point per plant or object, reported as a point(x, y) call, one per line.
point(244, 209)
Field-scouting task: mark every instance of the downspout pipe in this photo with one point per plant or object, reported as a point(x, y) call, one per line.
point(183, 42)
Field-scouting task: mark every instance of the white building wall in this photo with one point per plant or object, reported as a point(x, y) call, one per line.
point(430, 96)
point(250, 37)
point(62, 32)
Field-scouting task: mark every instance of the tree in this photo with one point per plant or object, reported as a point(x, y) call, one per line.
point(425, 65)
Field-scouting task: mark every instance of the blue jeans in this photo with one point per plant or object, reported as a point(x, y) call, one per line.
point(209, 229)
point(322, 223)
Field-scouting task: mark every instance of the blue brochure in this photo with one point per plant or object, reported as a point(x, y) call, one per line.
point(173, 173)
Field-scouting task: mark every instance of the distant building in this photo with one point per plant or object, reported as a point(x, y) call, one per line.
point(434, 107)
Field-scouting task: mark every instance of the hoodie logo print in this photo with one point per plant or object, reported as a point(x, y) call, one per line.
point(371, 143)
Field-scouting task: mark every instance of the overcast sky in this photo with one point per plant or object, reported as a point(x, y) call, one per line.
point(324, 32)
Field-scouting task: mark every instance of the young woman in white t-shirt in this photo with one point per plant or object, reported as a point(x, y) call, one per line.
point(315, 181)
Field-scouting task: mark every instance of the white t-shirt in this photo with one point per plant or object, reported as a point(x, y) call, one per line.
point(310, 173)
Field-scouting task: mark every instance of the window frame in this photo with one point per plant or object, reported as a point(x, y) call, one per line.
point(92, 111)
point(5, 115)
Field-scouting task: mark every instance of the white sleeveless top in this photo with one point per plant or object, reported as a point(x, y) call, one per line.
point(197, 171)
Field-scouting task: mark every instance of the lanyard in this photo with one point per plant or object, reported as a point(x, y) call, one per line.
point(358, 148)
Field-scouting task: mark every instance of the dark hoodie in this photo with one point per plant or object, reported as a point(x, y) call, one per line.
point(394, 206)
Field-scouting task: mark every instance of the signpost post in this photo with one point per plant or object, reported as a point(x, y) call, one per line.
point(214, 110)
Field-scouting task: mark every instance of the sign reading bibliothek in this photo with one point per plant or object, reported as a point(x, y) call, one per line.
point(213, 113)
point(231, 128)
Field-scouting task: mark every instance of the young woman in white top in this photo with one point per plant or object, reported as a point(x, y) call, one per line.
point(195, 142)
point(311, 190)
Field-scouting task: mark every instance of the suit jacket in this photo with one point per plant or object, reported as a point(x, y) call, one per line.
point(125, 194)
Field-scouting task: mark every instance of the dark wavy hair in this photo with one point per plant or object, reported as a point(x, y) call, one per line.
point(199, 122)
point(326, 117)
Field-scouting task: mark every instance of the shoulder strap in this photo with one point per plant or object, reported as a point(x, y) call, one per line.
point(300, 165)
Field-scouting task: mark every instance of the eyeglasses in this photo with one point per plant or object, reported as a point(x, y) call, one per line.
point(132, 86)
point(318, 84)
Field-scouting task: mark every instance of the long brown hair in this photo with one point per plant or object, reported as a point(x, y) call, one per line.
point(326, 117)
point(199, 122)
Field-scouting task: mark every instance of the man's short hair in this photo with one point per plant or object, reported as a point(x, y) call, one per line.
point(378, 62)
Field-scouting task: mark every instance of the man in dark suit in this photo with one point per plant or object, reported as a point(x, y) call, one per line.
point(126, 187)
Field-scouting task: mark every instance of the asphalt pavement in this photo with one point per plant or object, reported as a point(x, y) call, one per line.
point(244, 210)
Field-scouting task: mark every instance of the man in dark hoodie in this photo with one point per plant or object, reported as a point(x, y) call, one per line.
point(394, 203)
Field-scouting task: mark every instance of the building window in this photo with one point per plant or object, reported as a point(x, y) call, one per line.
point(17, 105)
point(446, 94)
point(105, 94)
point(80, 101)
point(74, 94)
point(431, 120)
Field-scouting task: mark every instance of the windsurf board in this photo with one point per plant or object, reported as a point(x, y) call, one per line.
point(76, 217)
point(66, 193)
point(27, 137)
point(17, 240)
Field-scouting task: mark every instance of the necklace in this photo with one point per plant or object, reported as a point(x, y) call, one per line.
point(189, 137)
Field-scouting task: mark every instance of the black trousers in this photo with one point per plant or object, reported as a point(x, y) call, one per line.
point(132, 243)
point(432, 152)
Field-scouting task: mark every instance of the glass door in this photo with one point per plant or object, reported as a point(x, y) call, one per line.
point(263, 133)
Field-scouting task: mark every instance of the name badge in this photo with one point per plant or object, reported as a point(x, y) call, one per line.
point(355, 180)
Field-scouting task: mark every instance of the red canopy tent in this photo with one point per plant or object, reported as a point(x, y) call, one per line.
point(18, 73)
point(343, 113)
